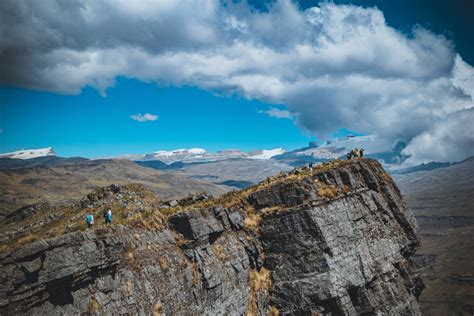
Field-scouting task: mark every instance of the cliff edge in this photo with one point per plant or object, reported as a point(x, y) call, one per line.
point(336, 240)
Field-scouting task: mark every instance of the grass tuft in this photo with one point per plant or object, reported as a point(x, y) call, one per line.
point(273, 311)
point(258, 281)
point(157, 309)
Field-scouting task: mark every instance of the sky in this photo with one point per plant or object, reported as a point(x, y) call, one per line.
point(105, 78)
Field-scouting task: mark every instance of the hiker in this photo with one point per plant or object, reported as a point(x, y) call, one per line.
point(90, 219)
point(350, 154)
point(108, 218)
point(104, 215)
point(355, 153)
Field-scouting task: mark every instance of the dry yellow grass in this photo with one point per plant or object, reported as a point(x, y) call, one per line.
point(218, 250)
point(328, 192)
point(157, 309)
point(252, 221)
point(164, 263)
point(258, 280)
point(273, 311)
point(129, 287)
point(385, 177)
point(196, 274)
point(94, 306)
point(26, 239)
point(268, 210)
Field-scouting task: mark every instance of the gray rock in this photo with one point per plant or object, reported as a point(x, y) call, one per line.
point(344, 255)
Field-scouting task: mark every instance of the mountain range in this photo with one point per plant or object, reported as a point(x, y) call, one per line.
point(73, 179)
point(201, 155)
point(29, 153)
point(440, 195)
point(311, 153)
point(233, 168)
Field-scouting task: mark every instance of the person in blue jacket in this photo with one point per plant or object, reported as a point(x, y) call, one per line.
point(108, 218)
point(89, 219)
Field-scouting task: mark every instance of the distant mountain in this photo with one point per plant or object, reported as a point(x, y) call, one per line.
point(160, 165)
point(12, 163)
point(423, 167)
point(238, 173)
point(26, 186)
point(29, 153)
point(265, 154)
point(201, 155)
point(176, 155)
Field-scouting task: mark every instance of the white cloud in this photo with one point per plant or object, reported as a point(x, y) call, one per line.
point(333, 66)
point(277, 113)
point(144, 118)
point(451, 139)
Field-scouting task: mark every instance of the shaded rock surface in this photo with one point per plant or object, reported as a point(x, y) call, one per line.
point(285, 245)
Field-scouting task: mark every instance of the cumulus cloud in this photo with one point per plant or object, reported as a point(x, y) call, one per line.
point(451, 139)
point(333, 66)
point(277, 113)
point(144, 118)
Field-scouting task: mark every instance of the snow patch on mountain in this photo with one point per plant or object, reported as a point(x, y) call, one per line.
point(201, 155)
point(267, 154)
point(29, 153)
point(191, 151)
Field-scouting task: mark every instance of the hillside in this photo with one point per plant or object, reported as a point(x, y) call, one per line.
point(14, 163)
point(336, 240)
point(60, 183)
point(442, 201)
point(239, 173)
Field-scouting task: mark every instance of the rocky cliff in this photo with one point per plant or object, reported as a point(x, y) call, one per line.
point(335, 240)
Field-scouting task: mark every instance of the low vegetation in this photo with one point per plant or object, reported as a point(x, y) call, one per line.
point(327, 191)
point(219, 250)
point(273, 311)
point(94, 307)
point(259, 280)
point(137, 206)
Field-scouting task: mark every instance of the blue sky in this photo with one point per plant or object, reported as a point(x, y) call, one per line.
point(91, 125)
point(233, 76)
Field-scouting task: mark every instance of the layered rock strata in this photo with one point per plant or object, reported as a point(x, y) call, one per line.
point(334, 241)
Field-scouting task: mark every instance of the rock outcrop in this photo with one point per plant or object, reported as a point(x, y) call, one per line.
point(336, 241)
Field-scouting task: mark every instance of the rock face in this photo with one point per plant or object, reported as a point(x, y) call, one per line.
point(335, 241)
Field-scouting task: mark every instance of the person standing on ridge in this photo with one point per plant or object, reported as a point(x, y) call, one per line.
point(108, 219)
point(89, 220)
